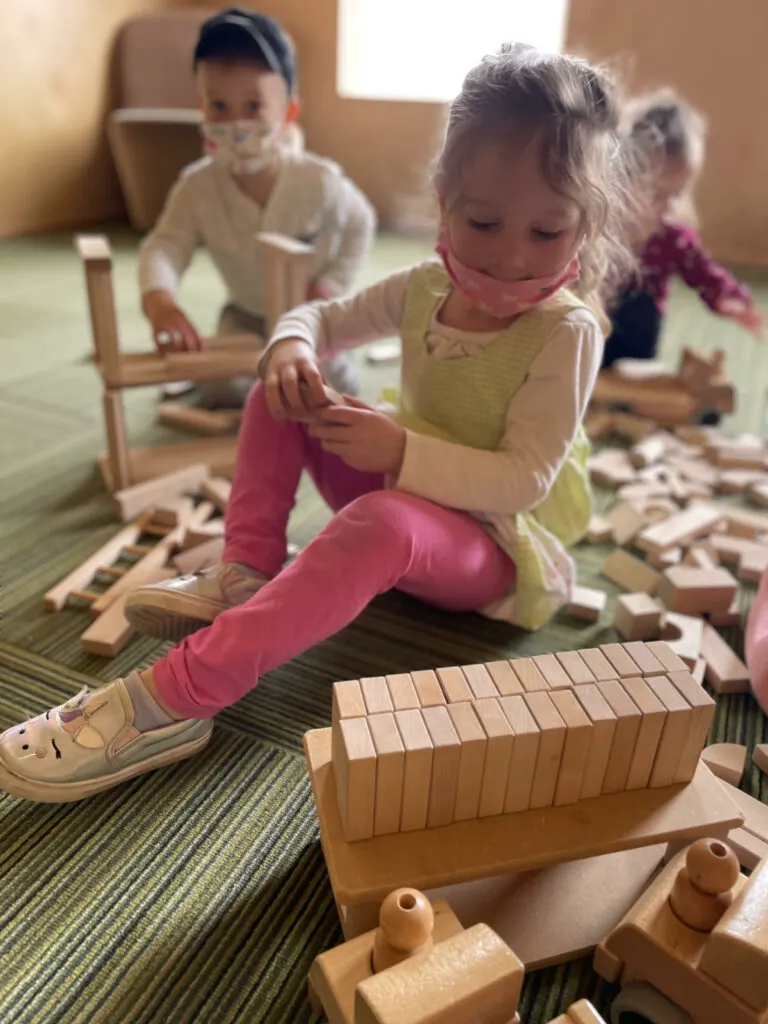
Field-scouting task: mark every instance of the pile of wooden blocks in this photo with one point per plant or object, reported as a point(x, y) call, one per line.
point(426, 749)
point(174, 528)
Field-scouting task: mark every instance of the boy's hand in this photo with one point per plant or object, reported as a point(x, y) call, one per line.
point(743, 313)
point(294, 385)
point(316, 291)
point(170, 327)
point(362, 437)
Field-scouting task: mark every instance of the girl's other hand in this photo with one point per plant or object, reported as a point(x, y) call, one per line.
point(743, 313)
point(293, 381)
point(362, 437)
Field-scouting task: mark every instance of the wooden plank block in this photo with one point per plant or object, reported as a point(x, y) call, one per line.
point(676, 725)
point(730, 618)
point(742, 523)
point(551, 743)
point(576, 668)
point(454, 684)
point(752, 565)
point(598, 664)
point(649, 735)
point(664, 653)
point(760, 757)
point(749, 848)
point(474, 746)
point(203, 533)
point(726, 760)
point(203, 556)
point(630, 573)
point(729, 549)
point(209, 422)
point(726, 672)
point(683, 636)
point(529, 674)
point(446, 757)
point(578, 738)
point(418, 769)
point(692, 591)
point(599, 530)
point(637, 616)
point(505, 678)
point(376, 695)
point(131, 501)
point(390, 772)
point(498, 755)
point(552, 671)
point(611, 468)
point(525, 751)
point(173, 513)
point(626, 521)
point(703, 712)
point(644, 658)
point(701, 556)
point(586, 604)
point(628, 719)
point(603, 731)
point(112, 631)
point(650, 449)
point(347, 701)
point(217, 490)
point(402, 691)
point(428, 688)
point(621, 661)
point(695, 521)
point(480, 682)
point(354, 768)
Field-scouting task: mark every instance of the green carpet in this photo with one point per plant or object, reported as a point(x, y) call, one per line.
point(199, 893)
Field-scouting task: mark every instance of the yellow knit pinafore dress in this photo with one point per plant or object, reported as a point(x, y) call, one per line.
point(465, 400)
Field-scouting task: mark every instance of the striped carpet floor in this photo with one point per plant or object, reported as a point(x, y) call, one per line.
point(198, 894)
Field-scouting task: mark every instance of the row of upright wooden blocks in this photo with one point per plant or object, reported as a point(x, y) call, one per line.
point(427, 749)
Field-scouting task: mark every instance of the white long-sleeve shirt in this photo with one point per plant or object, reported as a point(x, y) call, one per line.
point(543, 416)
point(312, 201)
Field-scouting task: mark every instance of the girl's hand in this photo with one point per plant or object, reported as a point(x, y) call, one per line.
point(362, 437)
point(170, 327)
point(316, 291)
point(743, 313)
point(293, 382)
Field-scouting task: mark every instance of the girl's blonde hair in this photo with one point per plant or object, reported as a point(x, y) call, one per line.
point(660, 123)
point(575, 109)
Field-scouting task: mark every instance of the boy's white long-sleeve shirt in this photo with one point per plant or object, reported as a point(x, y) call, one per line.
point(312, 201)
point(542, 417)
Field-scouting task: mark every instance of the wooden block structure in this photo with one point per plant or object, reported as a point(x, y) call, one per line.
point(239, 355)
point(545, 732)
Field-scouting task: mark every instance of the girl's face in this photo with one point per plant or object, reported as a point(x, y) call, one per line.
point(668, 181)
point(507, 221)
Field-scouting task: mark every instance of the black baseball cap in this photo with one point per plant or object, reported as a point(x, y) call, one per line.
point(238, 30)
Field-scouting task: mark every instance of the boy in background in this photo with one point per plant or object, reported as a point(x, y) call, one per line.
point(255, 177)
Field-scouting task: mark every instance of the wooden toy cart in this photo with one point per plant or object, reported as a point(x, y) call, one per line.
point(123, 466)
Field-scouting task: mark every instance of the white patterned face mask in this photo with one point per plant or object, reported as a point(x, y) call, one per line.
point(245, 147)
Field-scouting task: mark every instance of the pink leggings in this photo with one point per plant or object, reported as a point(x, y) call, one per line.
point(756, 644)
point(377, 540)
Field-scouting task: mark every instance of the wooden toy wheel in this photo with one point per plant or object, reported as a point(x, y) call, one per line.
point(640, 1003)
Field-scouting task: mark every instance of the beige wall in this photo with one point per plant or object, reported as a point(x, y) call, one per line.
point(55, 83)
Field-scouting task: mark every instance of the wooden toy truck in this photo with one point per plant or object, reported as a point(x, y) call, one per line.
point(694, 948)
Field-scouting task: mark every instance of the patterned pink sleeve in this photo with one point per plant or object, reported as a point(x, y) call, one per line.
point(699, 270)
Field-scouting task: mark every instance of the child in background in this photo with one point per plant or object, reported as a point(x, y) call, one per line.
point(668, 139)
point(467, 498)
point(255, 178)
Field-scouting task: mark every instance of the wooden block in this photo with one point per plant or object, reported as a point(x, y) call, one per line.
point(108, 634)
point(347, 701)
point(454, 684)
point(446, 756)
point(131, 501)
point(418, 769)
point(402, 691)
point(390, 772)
point(628, 720)
point(354, 769)
point(173, 513)
point(505, 678)
point(637, 616)
point(700, 556)
point(603, 731)
point(726, 760)
point(630, 573)
point(217, 490)
point(611, 468)
point(498, 755)
point(599, 530)
point(730, 618)
point(729, 549)
point(750, 849)
point(631, 427)
point(552, 671)
point(578, 738)
point(203, 556)
point(649, 449)
point(683, 635)
point(695, 521)
point(620, 660)
point(649, 735)
point(760, 757)
point(525, 751)
point(726, 672)
point(376, 695)
point(644, 658)
point(735, 481)
point(695, 470)
point(692, 591)
point(743, 523)
point(80, 577)
point(529, 674)
point(480, 682)
point(666, 559)
point(758, 491)
point(202, 534)
point(551, 743)
point(598, 664)
point(428, 688)
point(586, 604)
point(752, 565)
point(626, 521)
point(200, 421)
point(703, 711)
point(576, 667)
point(474, 745)
point(664, 653)
point(676, 726)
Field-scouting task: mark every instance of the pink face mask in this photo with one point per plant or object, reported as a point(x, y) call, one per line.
point(497, 298)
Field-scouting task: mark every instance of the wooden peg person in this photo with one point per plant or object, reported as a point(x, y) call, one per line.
point(704, 887)
point(405, 928)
